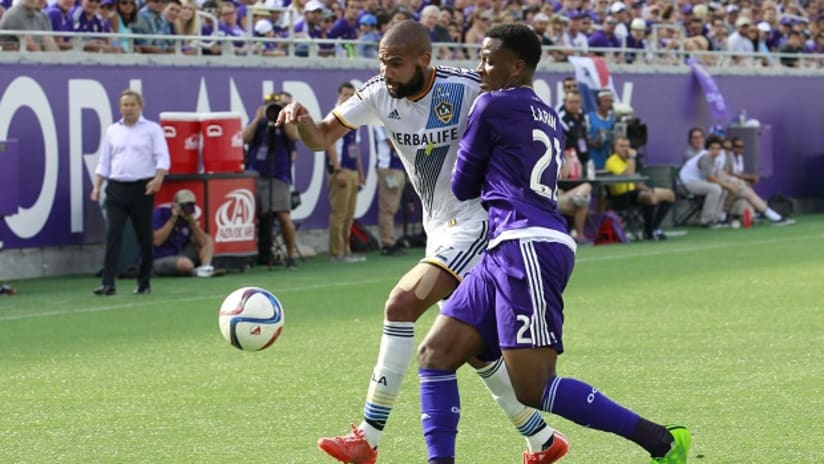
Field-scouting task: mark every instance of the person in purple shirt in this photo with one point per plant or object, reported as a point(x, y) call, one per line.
point(605, 38)
point(346, 27)
point(181, 247)
point(511, 304)
point(86, 18)
point(270, 155)
point(61, 20)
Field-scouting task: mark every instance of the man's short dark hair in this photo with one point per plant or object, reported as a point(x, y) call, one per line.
point(713, 140)
point(520, 40)
point(692, 131)
point(345, 85)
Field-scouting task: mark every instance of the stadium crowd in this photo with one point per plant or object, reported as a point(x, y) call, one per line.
point(649, 31)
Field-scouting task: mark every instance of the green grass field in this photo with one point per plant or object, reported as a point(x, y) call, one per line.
point(719, 330)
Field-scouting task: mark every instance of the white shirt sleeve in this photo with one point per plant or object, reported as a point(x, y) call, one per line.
point(360, 109)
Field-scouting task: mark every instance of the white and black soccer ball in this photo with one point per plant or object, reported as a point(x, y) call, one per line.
point(251, 318)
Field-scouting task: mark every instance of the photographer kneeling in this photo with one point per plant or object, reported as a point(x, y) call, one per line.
point(181, 247)
point(270, 152)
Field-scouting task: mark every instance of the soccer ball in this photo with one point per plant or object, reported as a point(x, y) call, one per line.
point(251, 318)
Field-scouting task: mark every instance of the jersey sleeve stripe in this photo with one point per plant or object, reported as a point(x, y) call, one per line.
point(453, 72)
point(343, 121)
point(370, 83)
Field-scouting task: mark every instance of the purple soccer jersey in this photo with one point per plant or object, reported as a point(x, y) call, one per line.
point(510, 156)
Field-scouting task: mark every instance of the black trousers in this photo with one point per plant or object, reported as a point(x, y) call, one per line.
point(128, 200)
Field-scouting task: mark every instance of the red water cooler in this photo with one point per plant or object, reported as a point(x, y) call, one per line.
point(222, 142)
point(182, 131)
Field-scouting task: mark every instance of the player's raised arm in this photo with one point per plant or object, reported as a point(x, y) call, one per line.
point(316, 135)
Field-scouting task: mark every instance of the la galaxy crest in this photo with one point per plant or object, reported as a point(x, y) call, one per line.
point(444, 111)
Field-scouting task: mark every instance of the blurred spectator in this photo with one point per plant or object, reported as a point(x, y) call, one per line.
point(735, 165)
point(86, 18)
point(816, 45)
point(208, 26)
point(188, 24)
point(573, 36)
point(26, 15)
point(345, 176)
point(655, 202)
point(794, 47)
point(481, 21)
point(696, 40)
point(636, 40)
point(401, 14)
point(264, 29)
point(618, 10)
point(346, 27)
point(172, 13)
point(695, 142)
point(309, 27)
point(150, 21)
point(369, 36)
point(430, 18)
point(718, 35)
point(739, 41)
point(575, 127)
point(391, 182)
point(228, 27)
point(697, 176)
point(732, 17)
point(586, 26)
point(61, 21)
point(762, 34)
point(181, 247)
point(123, 20)
point(600, 124)
point(540, 22)
point(605, 38)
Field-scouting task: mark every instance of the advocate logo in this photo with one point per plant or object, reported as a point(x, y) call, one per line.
point(235, 217)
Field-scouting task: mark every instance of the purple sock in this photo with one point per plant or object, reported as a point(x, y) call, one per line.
point(583, 404)
point(440, 412)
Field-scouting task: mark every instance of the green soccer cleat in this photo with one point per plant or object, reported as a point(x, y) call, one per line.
point(680, 445)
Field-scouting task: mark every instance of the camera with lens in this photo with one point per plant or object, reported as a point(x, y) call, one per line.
point(187, 209)
point(272, 103)
point(629, 126)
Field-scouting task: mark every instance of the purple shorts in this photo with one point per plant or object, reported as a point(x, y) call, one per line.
point(513, 296)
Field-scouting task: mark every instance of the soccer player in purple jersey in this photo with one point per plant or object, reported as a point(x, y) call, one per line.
point(511, 303)
point(424, 109)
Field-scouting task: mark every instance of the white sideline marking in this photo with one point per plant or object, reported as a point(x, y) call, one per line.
point(714, 246)
point(166, 301)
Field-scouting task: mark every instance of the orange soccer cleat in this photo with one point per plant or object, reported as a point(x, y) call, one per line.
point(351, 448)
point(559, 448)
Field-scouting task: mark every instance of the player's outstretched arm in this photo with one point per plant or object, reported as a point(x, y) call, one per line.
point(316, 135)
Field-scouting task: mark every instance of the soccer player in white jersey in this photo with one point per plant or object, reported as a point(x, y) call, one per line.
point(424, 109)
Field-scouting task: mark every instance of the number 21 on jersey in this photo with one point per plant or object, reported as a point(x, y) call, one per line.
point(552, 152)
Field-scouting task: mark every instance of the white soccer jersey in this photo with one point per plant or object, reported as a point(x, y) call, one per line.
point(425, 129)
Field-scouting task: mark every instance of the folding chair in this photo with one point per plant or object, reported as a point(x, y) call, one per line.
point(692, 208)
point(630, 214)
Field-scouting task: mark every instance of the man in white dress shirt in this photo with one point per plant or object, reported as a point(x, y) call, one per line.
point(134, 159)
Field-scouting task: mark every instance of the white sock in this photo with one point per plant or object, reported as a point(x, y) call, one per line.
point(772, 215)
point(396, 352)
point(527, 420)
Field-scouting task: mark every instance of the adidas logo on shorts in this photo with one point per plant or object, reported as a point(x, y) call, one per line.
point(394, 115)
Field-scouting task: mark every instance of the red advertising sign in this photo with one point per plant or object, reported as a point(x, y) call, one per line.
point(231, 215)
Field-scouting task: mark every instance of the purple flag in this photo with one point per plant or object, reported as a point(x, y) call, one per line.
point(715, 99)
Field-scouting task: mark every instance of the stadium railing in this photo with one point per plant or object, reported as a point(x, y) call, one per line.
point(190, 50)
